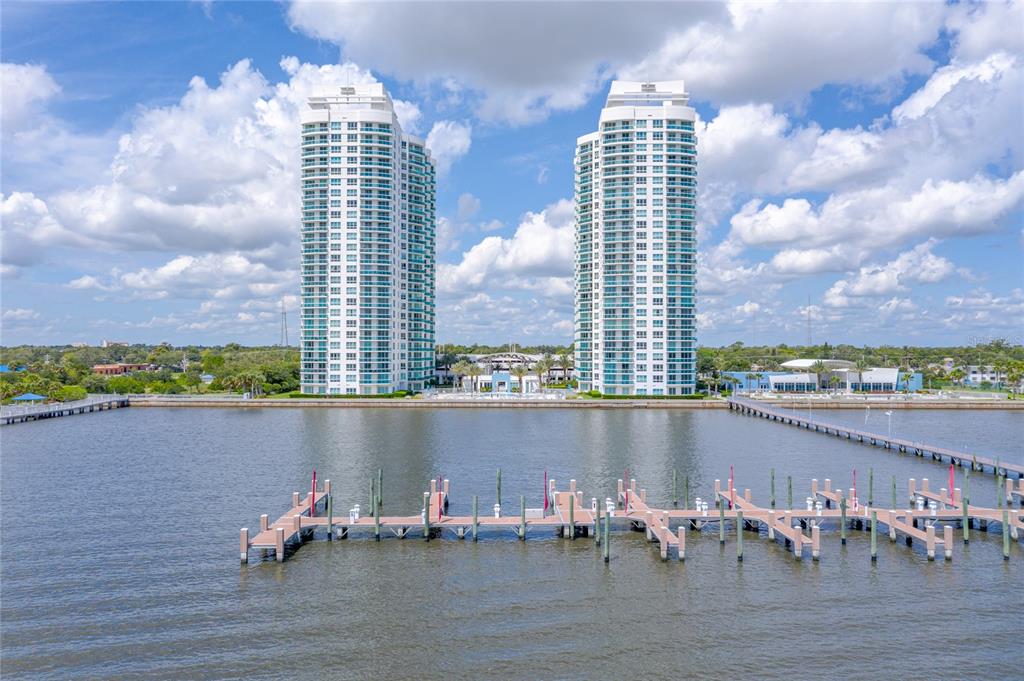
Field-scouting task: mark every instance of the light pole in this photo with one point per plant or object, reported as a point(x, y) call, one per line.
point(889, 414)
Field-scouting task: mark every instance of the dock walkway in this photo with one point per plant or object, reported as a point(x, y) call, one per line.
point(962, 459)
point(929, 521)
point(10, 414)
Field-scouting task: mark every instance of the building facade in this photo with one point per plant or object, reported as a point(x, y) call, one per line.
point(635, 269)
point(368, 191)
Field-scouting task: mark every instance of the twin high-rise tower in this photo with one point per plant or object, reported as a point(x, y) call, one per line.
point(368, 221)
point(636, 195)
point(367, 324)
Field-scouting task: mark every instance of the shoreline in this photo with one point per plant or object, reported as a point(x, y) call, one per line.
point(363, 403)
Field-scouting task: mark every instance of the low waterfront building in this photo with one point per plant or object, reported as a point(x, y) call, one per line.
point(121, 368)
point(837, 378)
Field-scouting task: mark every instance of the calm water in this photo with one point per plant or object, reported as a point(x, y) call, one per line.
point(120, 536)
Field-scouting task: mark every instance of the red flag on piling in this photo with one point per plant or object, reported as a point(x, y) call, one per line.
point(952, 481)
point(312, 499)
point(545, 492)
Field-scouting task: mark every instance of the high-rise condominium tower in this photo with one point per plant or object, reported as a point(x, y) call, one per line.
point(636, 189)
point(367, 247)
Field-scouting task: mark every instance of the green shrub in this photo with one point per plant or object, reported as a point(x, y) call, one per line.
point(69, 393)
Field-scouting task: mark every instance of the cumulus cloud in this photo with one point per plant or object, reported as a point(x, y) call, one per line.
point(19, 314)
point(30, 231)
point(448, 141)
point(916, 266)
point(25, 89)
point(542, 246)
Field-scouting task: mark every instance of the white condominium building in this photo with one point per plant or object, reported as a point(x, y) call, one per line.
point(367, 247)
point(636, 193)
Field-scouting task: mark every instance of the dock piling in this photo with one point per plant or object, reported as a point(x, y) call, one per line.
point(376, 515)
point(721, 524)
point(597, 525)
point(476, 503)
point(739, 536)
point(380, 488)
point(607, 543)
point(874, 535)
point(498, 487)
point(675, 487)
point(894, 502)
point(426, 515)
point(773, 488)
point(330, 514)
point(966, 521)
point(929, 536)
point(947, 541)
point(522, 517)
point(264, 522)
point(572, 516)
point(842, 521)
point(279, 544)
point(815, 542)
point(789, 493)
point(871, 487)
point(1006, 535)
point(244, 545)
point(686, 492)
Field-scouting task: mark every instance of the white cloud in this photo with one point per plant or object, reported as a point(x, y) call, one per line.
point(780, 52)
point(542, 246)
point(30, 231)
point(480, 46)
point(986, 27)
point(19, 314)
point(916, 266)
point(448, 141)
point(948, 77)
point(409, 115)
point(25, 88)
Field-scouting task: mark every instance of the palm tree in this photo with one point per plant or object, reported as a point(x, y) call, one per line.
point(459, 369)
point(834, 382)
point(819, 369)
point(957, 375)
point(520, 372)
point(541, 367)
point(474, 371)
point(861, 365)
point(565, 361)
point(751, 377)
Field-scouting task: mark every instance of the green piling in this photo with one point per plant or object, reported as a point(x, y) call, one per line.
point(476, 503)
point(721, 524)
point(739, 536)
point(380, 488)
point(522, 517)
point(572, 517)
point(373, 494)
point(686, 492)
point(842, 520)
point(1006, 535)
point(1000, 485)
point(607, 543)
point(871, 487)
point(967, 487)
point(773, 488)
point(966, 522)
point(675, 488)
point(874, 536)
point(789, 492)
point(893, 493)
point(597, 525)
point(426, 515)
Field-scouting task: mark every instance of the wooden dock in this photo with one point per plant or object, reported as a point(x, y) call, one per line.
point(962, 459)
point(930, 519)
point(22, 414)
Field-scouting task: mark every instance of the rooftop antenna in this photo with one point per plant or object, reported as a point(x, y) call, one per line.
point(284, 325)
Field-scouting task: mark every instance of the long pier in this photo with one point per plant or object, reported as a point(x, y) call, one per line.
point(957, 458)
point(21, 414)
point(929, 520)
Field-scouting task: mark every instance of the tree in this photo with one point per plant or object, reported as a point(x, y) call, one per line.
point(474, 371)
point(861, 365)
point(541, 368)
point(520, 372)
point(193, 378)
point(957, 375)
point(565, 362)
point(460, 369)
point(751, 377)
point(819, 369)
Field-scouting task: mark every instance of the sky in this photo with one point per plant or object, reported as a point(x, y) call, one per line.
point(860, 165)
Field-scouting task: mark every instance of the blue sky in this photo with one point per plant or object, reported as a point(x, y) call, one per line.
point(860, 164)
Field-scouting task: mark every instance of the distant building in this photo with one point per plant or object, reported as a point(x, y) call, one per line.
point(502, 382)
point(79, 344)
point(975, 375)
point(846, 378)
point(113, 344)
point(121, 368)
